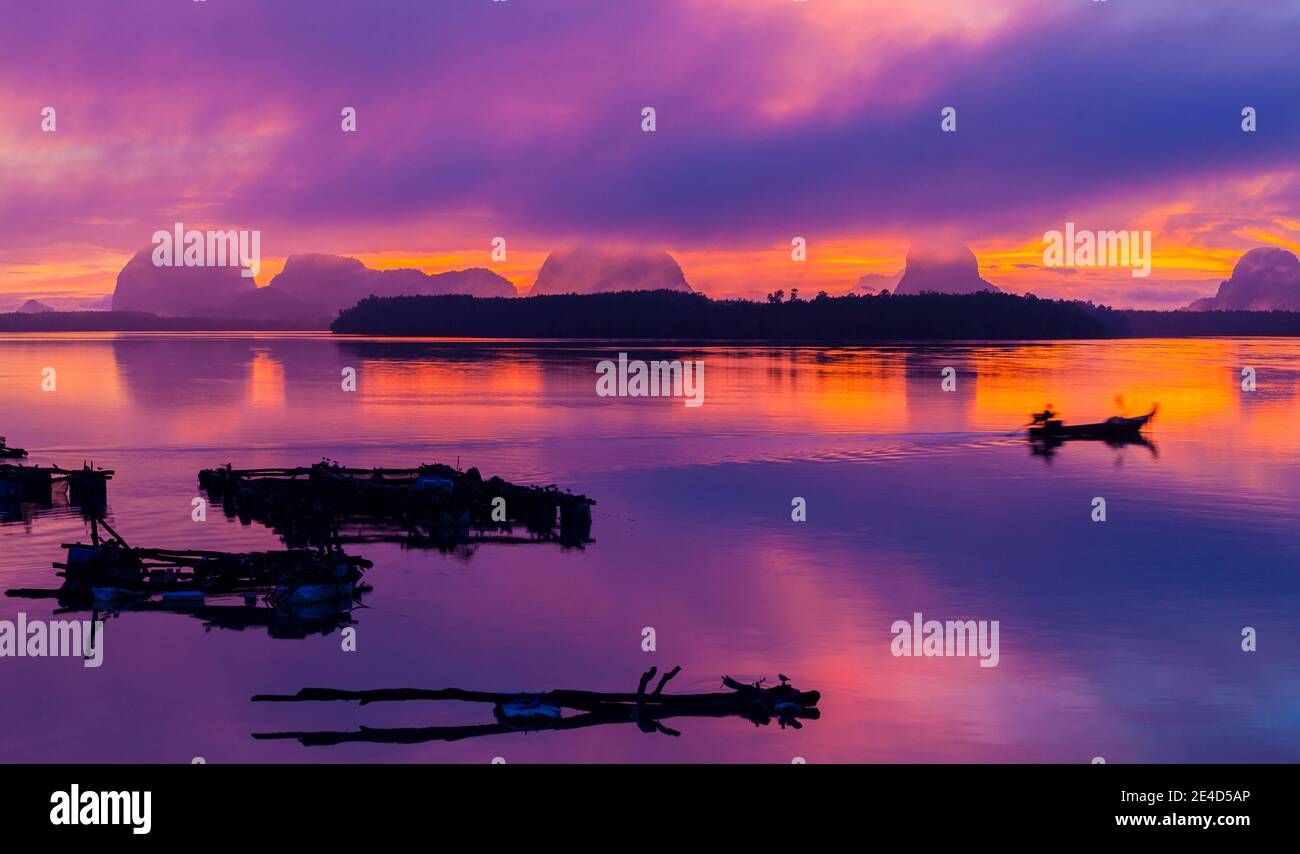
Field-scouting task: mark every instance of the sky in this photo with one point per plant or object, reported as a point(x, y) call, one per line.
point(775, 119)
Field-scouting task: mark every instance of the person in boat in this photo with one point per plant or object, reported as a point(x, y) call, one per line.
point(1046, 415)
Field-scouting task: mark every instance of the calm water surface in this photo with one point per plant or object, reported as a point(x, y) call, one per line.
point(1119, 640)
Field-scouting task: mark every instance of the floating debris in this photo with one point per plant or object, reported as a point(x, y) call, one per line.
point(432, 506)
point(522, 712)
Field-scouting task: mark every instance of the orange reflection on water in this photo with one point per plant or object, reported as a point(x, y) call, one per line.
point(265, 381)
point(82, 370)
point(193, 389)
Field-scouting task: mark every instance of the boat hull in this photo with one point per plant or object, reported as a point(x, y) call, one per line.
point(1112, 429)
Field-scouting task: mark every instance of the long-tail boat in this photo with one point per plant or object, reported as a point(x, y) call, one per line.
point(1046, 426)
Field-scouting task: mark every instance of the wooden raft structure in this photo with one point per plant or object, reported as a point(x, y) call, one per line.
point(515, 712)
point(109, 570)
point(428, 501)
point(19, 481)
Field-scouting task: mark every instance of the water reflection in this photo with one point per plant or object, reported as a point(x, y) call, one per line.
point(1047, 448)
point(432, 506)
point(292, 621)
point(211, 390)
point(58, 501)
point(1119, 639)
point(28, 492)
point(521, 712)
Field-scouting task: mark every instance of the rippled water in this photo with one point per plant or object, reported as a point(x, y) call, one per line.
point(1119, 639)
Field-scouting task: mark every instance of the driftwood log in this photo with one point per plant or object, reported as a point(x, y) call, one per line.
point(647, 709)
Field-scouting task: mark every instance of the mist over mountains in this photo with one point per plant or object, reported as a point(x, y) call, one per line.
point(318, 286)
point(310, 286)
point(939, 267)
point(1265, 279)
point(336, 282)
point(874, 283)
point(177, 291)
point(944, 268)
point(313, 288)
point(597, 271)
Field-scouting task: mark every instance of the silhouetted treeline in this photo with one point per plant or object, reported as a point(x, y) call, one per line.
point(1183, 324)
point(137, 321)
point(671, 314)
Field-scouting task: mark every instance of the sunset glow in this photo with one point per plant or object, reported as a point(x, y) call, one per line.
point(832, 138)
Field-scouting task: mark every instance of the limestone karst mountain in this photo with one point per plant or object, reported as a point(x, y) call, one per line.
point(310, 287)
point(176, 291)
point(593, 271)
point(942, 267)
point(1266, 278)
point(338, 282)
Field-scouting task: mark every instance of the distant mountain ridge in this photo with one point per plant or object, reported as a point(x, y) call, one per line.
point(337, 282)
point(316, 286)
point(310, 287)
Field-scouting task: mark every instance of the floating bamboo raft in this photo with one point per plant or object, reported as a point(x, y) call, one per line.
point(427, 505)
point(110, 571)
point(515, 712)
